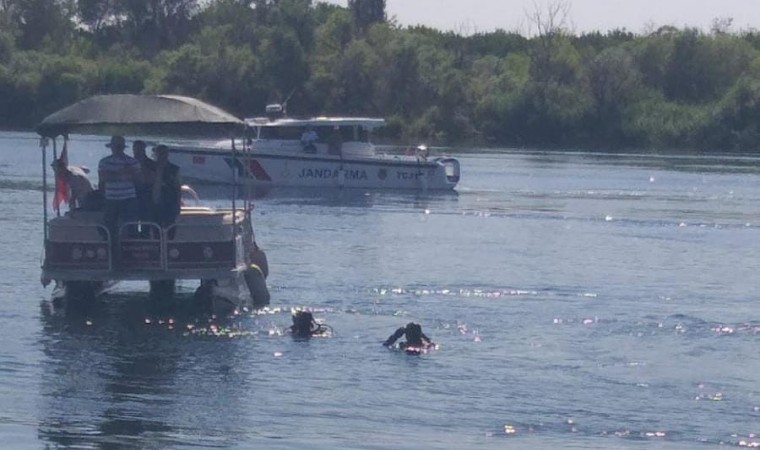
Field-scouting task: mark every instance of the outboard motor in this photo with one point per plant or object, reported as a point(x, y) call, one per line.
point(257, 286)
point(451, 168)
point(255, 276)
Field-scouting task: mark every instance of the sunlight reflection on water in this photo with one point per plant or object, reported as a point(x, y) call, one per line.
point(579, 300)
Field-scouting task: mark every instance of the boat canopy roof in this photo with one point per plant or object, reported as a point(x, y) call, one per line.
point(130, 114)
point(365, 122)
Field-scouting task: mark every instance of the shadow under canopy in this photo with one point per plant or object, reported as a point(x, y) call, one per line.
point(140, 114)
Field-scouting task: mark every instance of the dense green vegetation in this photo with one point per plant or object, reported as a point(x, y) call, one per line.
point(671, 88)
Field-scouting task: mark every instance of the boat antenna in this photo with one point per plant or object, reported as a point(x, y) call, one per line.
point(278, 110)
point(285, 102)
point(43, 146)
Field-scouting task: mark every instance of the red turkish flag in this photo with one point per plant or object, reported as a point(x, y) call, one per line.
point(60, 167)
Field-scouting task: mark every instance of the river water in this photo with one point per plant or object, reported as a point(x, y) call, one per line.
point(580, 300)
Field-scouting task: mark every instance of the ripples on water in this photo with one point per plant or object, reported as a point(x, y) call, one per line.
point(171, 367)
point(579, 301)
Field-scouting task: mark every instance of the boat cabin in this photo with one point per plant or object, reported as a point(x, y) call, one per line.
point(329, 135)
point(315, 152)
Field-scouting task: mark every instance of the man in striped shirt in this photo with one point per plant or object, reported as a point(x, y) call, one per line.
point(117, 175)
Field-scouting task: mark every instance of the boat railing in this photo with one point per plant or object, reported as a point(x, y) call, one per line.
point(78, 245)
point(145, 247)
point(140, 246)
point(194, 245)
point(202, 245)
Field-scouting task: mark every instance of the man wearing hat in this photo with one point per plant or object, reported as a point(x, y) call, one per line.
point(117, 175)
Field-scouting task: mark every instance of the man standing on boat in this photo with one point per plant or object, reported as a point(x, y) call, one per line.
point(117, 175)
point(309, 139)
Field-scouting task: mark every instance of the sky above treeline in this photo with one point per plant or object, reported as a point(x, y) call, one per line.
point(638, 16)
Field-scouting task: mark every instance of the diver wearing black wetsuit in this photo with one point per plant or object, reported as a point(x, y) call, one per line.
point(304, 325)
point(414, 337)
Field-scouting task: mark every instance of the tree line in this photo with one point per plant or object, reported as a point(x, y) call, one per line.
point(667, 88)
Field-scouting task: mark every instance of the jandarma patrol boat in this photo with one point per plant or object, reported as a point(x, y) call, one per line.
point(315, 152)
point(214, 245)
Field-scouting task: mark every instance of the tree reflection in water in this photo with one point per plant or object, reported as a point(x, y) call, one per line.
point(119, 375)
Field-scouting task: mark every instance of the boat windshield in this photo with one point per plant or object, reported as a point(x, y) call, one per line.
point(324, 133)
point(281, 133)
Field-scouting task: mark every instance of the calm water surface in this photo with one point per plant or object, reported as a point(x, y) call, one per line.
point(580, 301)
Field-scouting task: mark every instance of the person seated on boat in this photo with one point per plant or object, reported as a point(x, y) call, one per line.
point(117, 175)
point(335, 142)
point(309, 139)
point(422, 152)
point(167, 188)
point(414, 337)
point(144, 184)
point(76, 181)
point(304, 326)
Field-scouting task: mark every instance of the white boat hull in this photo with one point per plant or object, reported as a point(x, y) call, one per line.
point(325, 171)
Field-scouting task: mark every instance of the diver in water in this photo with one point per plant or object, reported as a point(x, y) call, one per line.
point(304, 326)
point(415, 338)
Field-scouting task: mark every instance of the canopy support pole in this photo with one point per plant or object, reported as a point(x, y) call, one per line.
point(234, 185)
point(43, 145)
point(55, 157)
